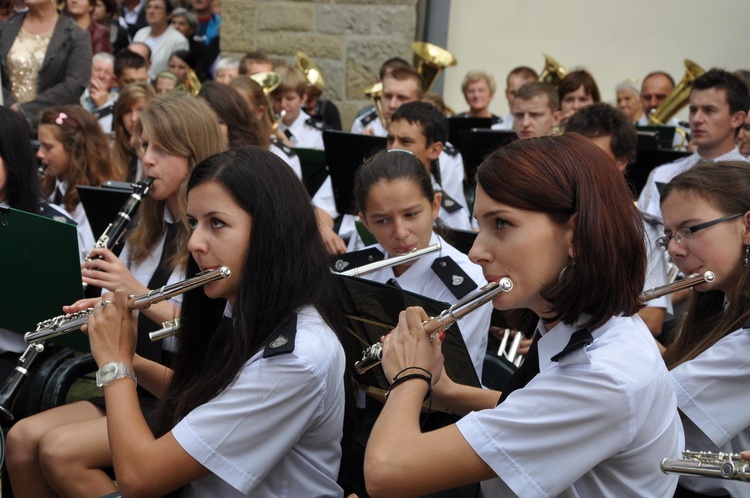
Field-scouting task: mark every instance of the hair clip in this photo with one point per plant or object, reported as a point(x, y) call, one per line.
point(61, 118)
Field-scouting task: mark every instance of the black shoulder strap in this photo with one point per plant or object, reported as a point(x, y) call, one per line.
point(320, 125)
point(448, 203)
point(369, 117)
point(453, 276)
point(282, 341)
point(287, 150)
point(450, 150)
point(349, 260)
point(579, 339)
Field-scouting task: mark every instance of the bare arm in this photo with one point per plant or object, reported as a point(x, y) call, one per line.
point(400, 459)
point(654, 319)
point(145, 466)
point(334, 243)
point(153, 376)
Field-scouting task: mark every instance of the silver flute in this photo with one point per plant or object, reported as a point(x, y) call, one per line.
point(708, 464)
point(64, 324)
point(168, 329)
point(373, 355)
point(387, 263)
point(685, 283)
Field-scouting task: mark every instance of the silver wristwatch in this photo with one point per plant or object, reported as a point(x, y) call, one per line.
point(111, 371)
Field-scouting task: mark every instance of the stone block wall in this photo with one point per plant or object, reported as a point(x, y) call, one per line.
point(347, 39)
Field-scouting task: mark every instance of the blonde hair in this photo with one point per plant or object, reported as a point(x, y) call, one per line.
point(184, 126)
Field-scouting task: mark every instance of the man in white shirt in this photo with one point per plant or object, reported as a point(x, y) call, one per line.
point(719, 103)
point(517, 78)
point(160, 36)
point(655, 89)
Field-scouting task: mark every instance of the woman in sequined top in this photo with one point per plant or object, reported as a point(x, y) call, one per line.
point(45, 60)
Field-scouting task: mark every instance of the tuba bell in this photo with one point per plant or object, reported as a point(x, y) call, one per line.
point(678, 97)
point(191, 84)
point(431, 60)
point(375, 93)
point(553, 72)
point(310, 70)
point(268, 81)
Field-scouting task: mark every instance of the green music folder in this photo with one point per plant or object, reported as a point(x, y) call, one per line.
point(314, 171)
point(41, 272)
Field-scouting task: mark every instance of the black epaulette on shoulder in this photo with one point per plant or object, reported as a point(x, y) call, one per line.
point(320, 125)
point(450, 149)
point(282, 341)
point(103, 112)
point(278, 143)
point(449, 203)
point(369, 117)
point(349, 260)
point(453, 276)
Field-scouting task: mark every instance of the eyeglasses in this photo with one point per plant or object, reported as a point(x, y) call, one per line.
point(687, 233)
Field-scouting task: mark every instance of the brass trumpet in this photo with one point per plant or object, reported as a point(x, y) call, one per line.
point(553, 72)
point(63, 324)
point(708, 464)
point(685, 283)
point(373, 355)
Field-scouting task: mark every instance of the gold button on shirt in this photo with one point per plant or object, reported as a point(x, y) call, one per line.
point(25, 59)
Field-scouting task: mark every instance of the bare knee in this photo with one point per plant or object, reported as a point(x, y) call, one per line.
point(22, 442)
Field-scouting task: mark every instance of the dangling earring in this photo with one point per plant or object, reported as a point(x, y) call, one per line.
point(747, 256)
point(565, 270)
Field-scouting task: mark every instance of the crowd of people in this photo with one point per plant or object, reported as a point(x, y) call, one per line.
point(256, 394)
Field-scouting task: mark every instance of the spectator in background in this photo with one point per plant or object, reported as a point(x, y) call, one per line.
point(255, 62)
point(186, 23)
point(160, 36)
point(478, 88)
point(80, 11)
point(133, 99)
point(133, 16)
point(577, 90)
point(165, 82)
point(130, 68)
point(227, 69)
point(208, 22)
point(56, 72)
point(104, 14)
point(100, 96)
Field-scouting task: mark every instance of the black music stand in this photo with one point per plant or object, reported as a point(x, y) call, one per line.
point(102, 205)
point(458, 123)
point(371, 310)
point(41, 272)
point(647, 159)
point(478, 143)
point(345, 153)
point(665, 134)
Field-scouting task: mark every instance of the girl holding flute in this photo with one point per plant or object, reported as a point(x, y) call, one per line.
point(707, 225)
point(62, 451)
point(591, 411)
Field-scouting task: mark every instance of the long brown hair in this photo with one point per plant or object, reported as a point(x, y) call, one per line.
point(725, 185)
point(90, 159)
point(566, 176)
point(184, 126)
point(129, 97)
point(229, 105)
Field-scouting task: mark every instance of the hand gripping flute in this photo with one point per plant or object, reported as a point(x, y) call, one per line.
point(114, 232)
point(373, 355)
point(64, 324)
point(109, 239)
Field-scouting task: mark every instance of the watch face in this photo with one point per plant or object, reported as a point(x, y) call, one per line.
point(107, 372)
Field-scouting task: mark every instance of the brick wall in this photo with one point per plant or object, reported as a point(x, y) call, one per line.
point(347, 39)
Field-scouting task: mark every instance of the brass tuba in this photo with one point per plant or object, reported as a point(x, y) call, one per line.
point(268, 81)
point(678, 97)
point(432, 60)
point(375, 93)
point(311, 71)
point(553, 72)
point(191, 84)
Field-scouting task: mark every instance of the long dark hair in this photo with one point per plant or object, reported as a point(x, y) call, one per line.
point(242, 126)
point(725, 185)
point(22, 186)
point(390, 166)
point(565, 176)
point(286, 268)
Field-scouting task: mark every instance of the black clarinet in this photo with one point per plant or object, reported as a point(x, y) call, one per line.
point(114, 232)
point(109, 239)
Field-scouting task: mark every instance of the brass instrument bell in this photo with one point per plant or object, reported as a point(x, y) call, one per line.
point(432, 60)
point(553, 72)
point(678, 97)
point(311, 71)
point(375, 93)
point(191, 84)
point(268, 81)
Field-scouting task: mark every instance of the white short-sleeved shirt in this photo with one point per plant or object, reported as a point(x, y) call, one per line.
point(369, 121)
point(86, 239)
point(598, 423)
point(649, 200)
point(306, 132)
point(712, 392)
point(289, 157)
point(143, 270)
point(276, 430)
point(420, 278)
